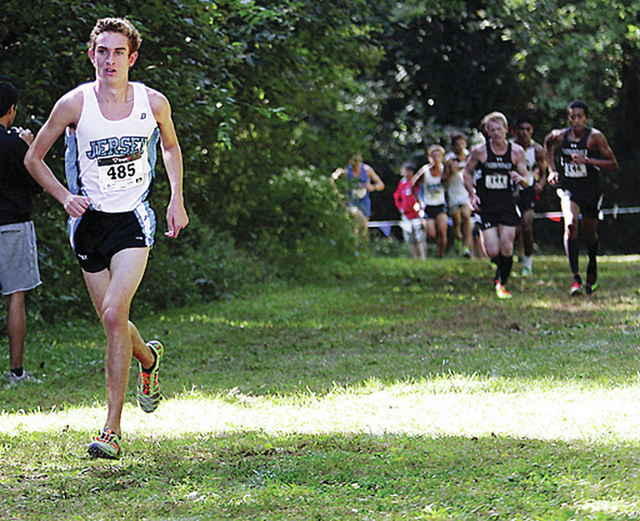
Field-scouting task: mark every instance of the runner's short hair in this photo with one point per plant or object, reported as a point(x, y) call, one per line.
point(579, 104)
point(456, 136)
point(409, 165)
point(523, 118)
point(8, 97)
point(116, 25)
point(497, 117)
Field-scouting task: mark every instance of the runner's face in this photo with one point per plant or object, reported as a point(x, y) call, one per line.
point(111, 57)
point(524, 131)
point(496, 131)
point(355, 160)
point(577, 119)
point(459, 145)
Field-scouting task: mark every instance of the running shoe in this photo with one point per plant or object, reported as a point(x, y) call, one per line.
point(14, 379)
point(576, 289)
point(590, 288)
point(148, 382)
point(106, 446)
point(527, 271)
point(502, 292)
point(466, 253)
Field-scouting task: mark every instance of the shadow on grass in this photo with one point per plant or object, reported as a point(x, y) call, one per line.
point(251, 475)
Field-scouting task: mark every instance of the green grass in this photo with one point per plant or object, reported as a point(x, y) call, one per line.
point(388, 389)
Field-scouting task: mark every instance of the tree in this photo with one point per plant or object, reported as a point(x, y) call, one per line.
point(258, 89)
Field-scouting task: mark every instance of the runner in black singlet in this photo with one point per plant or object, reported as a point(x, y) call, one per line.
point(584, 152)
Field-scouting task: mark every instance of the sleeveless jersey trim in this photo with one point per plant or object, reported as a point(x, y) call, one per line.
point(112, 162)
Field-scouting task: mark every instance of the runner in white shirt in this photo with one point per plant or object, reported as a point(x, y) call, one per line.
point(536, 163)
point(112, 127)
point(432, 197)
point(458, 206)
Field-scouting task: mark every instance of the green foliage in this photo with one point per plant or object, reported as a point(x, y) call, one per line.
point(302, 221)
point(256, 88)
point(292, 94)
point(263, 89)
point(516, 56)
point(204, 265)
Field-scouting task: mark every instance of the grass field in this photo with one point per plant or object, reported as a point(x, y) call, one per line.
point(389, 389)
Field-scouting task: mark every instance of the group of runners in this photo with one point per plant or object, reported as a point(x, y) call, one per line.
point(112, 127)
point(500, 181)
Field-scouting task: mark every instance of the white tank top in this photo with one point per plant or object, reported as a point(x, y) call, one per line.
point(457, 194)
point(432, 189)
point(112, 162)
point(530, 161)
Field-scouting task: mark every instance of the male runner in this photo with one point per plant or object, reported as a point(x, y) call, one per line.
point(112, 128)
point(362, 180)
point(500, 165)
point(536, 162)
point(584, 151)
point(458, 206)
point(433, 198)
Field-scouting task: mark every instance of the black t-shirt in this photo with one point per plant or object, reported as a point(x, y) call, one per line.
point(16, 184)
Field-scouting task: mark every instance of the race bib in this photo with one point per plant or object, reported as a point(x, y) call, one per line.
point(434, 195)
point(575, 170)
point(361, 192)
point(496, 181)
point(119, 173)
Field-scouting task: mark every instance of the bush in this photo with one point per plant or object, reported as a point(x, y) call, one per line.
point(202, 265)
point(303, 227)
point(62, 296)
point(304, 223)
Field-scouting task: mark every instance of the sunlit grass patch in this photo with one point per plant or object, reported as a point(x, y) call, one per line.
point(404, 391)
point(454, 405)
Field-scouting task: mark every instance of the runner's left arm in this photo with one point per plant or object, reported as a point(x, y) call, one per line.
point(607, 159)
point(375, 183)
point(177, 217)
point(541, 167)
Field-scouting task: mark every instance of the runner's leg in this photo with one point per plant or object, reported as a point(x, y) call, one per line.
point(112, 292)
point(571, 213)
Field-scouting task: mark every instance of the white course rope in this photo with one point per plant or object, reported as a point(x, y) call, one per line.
point(385, 226)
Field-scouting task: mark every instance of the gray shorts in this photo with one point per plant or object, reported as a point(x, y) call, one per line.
point(18, 258)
